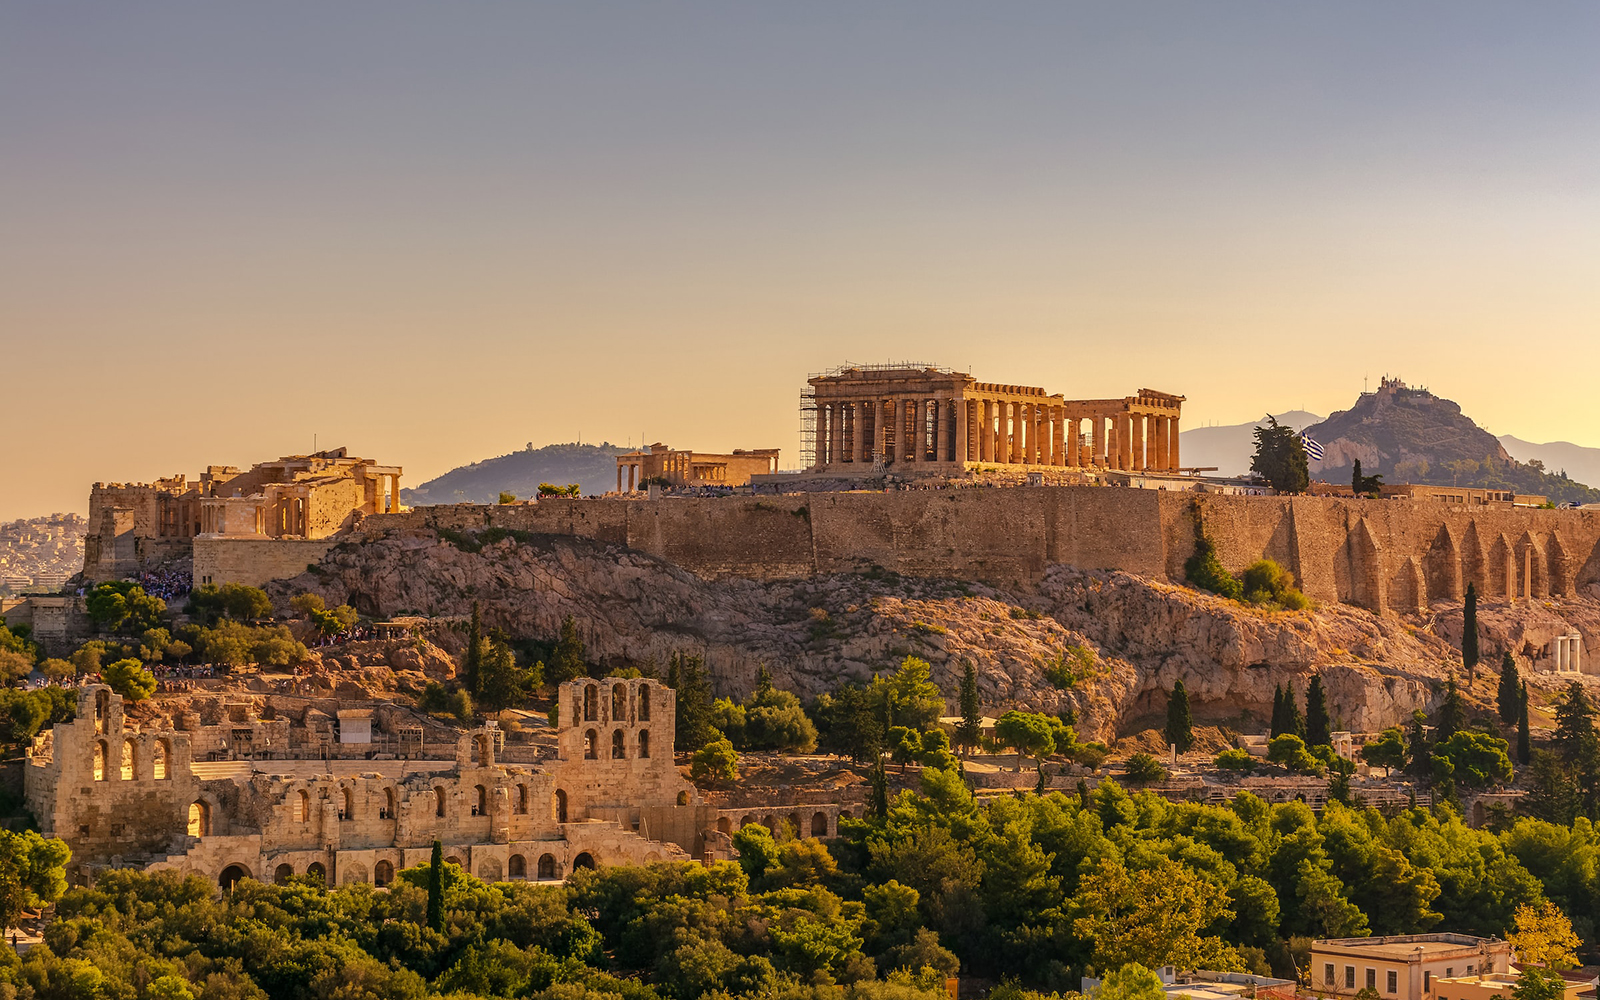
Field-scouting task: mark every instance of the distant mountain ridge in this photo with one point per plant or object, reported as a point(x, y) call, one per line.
point(1228, 447)
point(1582, 464)
point(592, 466)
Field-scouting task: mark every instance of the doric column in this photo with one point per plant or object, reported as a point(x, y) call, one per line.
point(1575, 654)
point(1026, 432)
point(619, 478)
point(1125, 441)
point(1136, 440)
point(1071, 430)
point(1158, 444)
point(941, 431)
point(824, 414)
point(1172, 444)
point(1097, 441)
point(836, 433)
point(985, 430)
point(1011, 432)
point(963, 447)
point(1058, 454)
point(858, 428)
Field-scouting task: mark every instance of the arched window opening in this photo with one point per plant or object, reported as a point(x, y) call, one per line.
point(683, 798)
point(438, 801)
point(619, 702)
point(792, 827)
point(303, 806)
point(382, 874)
point(480, 801)
point(163, 753)
point(561, 806)
point(619, 751)
point(386, 811)
point(102, 709)
point(232, 876)
point(347, 807)
point(724, 825)
point(485, 751)
point(591, 748)
point(318, 872)
point(591, 703)
point(746, 821)
point(199, 819)
point(644, 703)
point(644, 743)
point(453, 860)
point(844, 814)
point(128, 758)
point(819, 825)
point(517, 866)
point(522, 800)
point(282, 874)
point(547, 866)
point(100, 756)
point(583, 860)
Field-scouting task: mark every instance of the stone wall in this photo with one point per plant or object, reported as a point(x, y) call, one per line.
point(1379, 554)
point(254, 560)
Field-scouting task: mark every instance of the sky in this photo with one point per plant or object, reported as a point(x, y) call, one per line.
point(433, 233)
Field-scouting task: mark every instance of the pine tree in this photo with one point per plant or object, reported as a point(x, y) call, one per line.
point(1180, 725)
point(970, 730)
point(1319, 724)
point(499, 681)
point(686, 676)
point(1509, 697)
point(1469, 629)
point(474, 657)
point(1452, 713)
point(436, 888)
point(1419, 759)
point(568, 659)
point(1524, 735)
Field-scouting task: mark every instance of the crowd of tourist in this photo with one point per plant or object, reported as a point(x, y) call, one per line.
point(167, 583)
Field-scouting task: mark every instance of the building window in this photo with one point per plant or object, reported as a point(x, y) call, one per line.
point(1449, 972)
point(1427, 981)
point(1392, 982)
point(1349, 977)
point(1327, 974)
point(1372, 979)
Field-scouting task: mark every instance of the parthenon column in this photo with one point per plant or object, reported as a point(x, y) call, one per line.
point(1136, 439)
point(1015, 437)
point(1058, 454)
point(1097, 442)
point(1125, 441)
point(857, 432)
point(836, 434)
point(986, 431)
point(1071, 430)
point(821, 434)
point(963, 424)
point(1030, 438)
point(1172, 444)
point(1158, 445)
point(941, 430)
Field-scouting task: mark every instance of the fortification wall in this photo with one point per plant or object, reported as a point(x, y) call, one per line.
point(254, 560)
point(1375, 553)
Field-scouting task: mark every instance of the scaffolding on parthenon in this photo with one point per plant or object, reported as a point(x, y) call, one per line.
point(808, 398)
point(808, 427)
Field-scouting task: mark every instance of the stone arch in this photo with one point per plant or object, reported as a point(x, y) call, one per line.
point(644, 744)
point(102, 709)
point(591, 745)
point(130, 759)
point(199, 818)
point(747, 821)
point(483, 748)
point(619, 749)
point(819, 824)
point(351, 872)
point(453, 860)
point(794, 826)
point(489, 869)
point(591, 703)
point(644, 703)
point(480, 800)
point(386, 811)
point(102, 755)
point(302, 806)
point(724, 824)
point(282, 873)
point(683, 798)
point(438, 800)
point(347, 803)
point(522, 800)
point(161, 760)
point(382, 873)
point(583, 860)
point(1536, 571)
point(547, 867)
point(517, 866)
point(844, 814)
point(619, 702)
point(771, 824)
point(232, 875)
point(558, 806)
point(317, 870)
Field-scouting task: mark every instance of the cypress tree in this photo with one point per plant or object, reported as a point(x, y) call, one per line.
point(1293, 721)
point(1276, 728)
point(1509, 697)
point(1355, 478)
point(1524, 737)
point(971, 728)
point(1318, 723)
point(436, 888)
point(1469, 629)
point(1452, 713)
point(686, 676)
point(474, 659)
point(880, 791)
point(1180, 725)
point(1417, 746)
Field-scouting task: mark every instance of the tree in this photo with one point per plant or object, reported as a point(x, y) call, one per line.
point(1236, 759)
point(1477, 759)
point(969, 731)
point(1204, 569)
point(1365, 486)
point(436, 888)
point(774, 720)
point(1508, 699)
point(716, 761)
point(1417, 754)
point(1544, 937)
point(499, 683)
point(1277, 727)
point(1131, 982)
point(1028, 733)
point(473, 660)
point(1575, 730)
point(1154, 915)
point(1469, 629)
point(130, 679)
point(567, 659)
point(686, 676)
point(1143, 769)
point(32, 873)
point(1524, 734)
point(1280, 457)
point(1180, 725)
point(910, 698)
point(1294, 724)
point(506, 498)
point(1290, 751)
point(1318, 722)
point(121, 606)
point(1538, 984)
point(1388, 751)
point(1452, 713)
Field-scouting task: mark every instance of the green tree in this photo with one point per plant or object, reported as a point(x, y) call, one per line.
point(130, 679)
point(32, 873)
point(472, 661)
point(1143, 769)
point(1280, 458)
point(506, 498)
point(1508, 699)
point(568, 658)
point(499, 681)
point(1236, 759)
point(969, 731)
point(1538, 984)
point(1477, 759)
point(1180, 725)
point(1204, 569)
point(122, 606)
point(1544, 937)
point(1575, 731)
point(1158, 915)
point(1524, 734)
point(774, 720)
point(1452, 713)
point(436, 888)
point(1469, 629)
point(1131, 982)
point(716, 761)
point(1319, 724)
point(1294, 724)
point(1290, 751)
point(1365, 486)
point(686, 675)
point(1418, 756)
point(908, 695)
point(1388, 751)
point(1029, 733)
point(1277, 728)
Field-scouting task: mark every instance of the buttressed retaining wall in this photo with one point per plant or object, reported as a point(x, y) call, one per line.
point(1379, 554)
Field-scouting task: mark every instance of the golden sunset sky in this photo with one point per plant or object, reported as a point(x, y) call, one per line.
point(435, 232)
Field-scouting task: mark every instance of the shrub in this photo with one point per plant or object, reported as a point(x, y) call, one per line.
point(1070, 666)
point(1265, 582)
point(1205, 570)
point(1235, 760)
point(1143, 769)
point(130, 679)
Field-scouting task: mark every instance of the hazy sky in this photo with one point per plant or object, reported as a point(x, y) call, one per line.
point(435, 232)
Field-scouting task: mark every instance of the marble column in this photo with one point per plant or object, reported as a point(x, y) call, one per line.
point(858, 428)
point(963, 425)
point(1030, 438)
point(1172, 444)
point(1058, 438)
point(1158, 455)
point(1073, 443)
point(986, 431)
point(1136, 439)
point(1097, 441)
point(1125, 441)
point(941, 431)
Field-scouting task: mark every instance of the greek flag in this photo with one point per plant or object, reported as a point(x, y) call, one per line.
point(1313, 450)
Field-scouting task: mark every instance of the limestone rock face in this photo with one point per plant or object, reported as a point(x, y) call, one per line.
point(1108, 645)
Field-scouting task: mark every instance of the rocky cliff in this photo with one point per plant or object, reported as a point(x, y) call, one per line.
point(1107, 644)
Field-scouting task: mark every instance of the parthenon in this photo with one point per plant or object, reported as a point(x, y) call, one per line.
point(939, 421)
